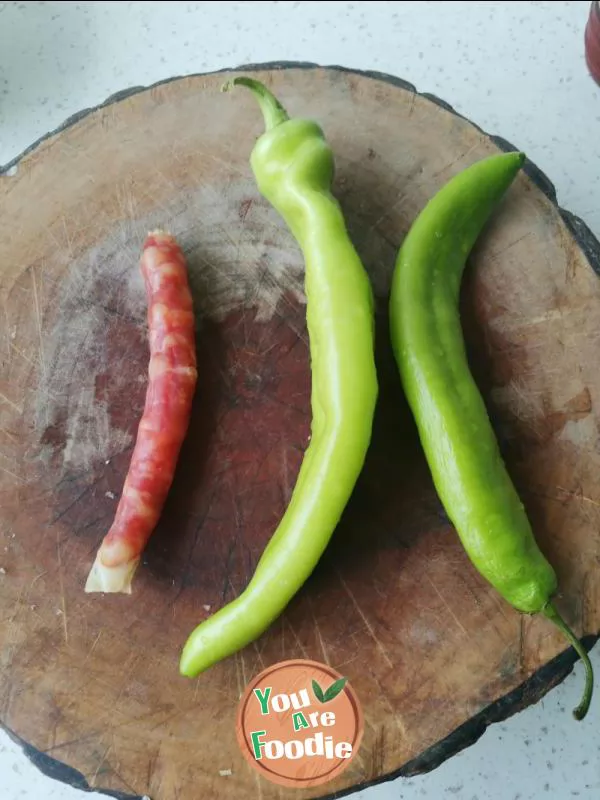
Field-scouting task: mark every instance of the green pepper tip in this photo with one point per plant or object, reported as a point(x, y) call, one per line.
point(273, 112)
point(552, 614)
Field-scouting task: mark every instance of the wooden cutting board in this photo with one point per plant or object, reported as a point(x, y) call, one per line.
point(433, 653)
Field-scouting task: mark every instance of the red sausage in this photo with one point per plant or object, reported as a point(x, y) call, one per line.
point(171, 384)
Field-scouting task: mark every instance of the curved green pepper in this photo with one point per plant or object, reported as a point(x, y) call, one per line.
point(459, 442)
point(293, 166)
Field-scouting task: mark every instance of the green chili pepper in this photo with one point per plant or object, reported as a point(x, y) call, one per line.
point(459, 442)
point(293, 166)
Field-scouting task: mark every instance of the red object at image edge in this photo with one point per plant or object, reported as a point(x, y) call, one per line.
point(592, 41)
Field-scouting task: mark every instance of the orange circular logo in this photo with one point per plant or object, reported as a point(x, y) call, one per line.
point(299, 723)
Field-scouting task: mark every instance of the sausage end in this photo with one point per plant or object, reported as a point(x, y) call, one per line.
point(111, 579)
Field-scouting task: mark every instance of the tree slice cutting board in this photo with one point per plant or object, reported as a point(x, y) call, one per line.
point(433, 653)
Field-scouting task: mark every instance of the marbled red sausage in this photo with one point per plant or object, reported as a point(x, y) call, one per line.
point(171, 384)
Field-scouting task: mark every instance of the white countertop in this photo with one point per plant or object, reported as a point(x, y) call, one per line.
point(516, 69)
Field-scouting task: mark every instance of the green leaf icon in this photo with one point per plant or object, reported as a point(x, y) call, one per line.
point(318, 692)
point(333, 691)
point(335, 688)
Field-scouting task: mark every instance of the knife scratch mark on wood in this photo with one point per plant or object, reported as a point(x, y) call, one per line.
point(68, 239)
point(38, 319)
point(396, 716)
point(258, 786)
point(229, 166)
point(196, 687)
point(12, 474)
point(447, 607)
point(7, 331)
point(240, 686)
point(259, 655)
point(179, 712)
point(318, 632)
point(285, 474)
point(100, 763)
point(8, 691)
point(18, 409)
point(93, 647)
point(62, 587)
point(508, 246)
point(130, 670)
point(458, 158)
point(34, 581)
point(243, 662)
point(126, 784)
point(70, 742)
point(364, 618)
point(20, 353)
point(298, 642)
point(151, 766)
point(9, 434)
point(8, 652)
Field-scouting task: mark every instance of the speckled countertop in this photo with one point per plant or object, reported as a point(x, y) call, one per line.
point(516, 69)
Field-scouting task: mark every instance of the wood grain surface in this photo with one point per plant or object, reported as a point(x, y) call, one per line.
point(92, 680)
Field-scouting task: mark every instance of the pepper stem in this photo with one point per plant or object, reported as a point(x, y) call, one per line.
point(552, 614)
point(273, 112)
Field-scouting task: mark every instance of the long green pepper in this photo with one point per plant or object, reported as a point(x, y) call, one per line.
point(455, 431)
point(293, 166)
